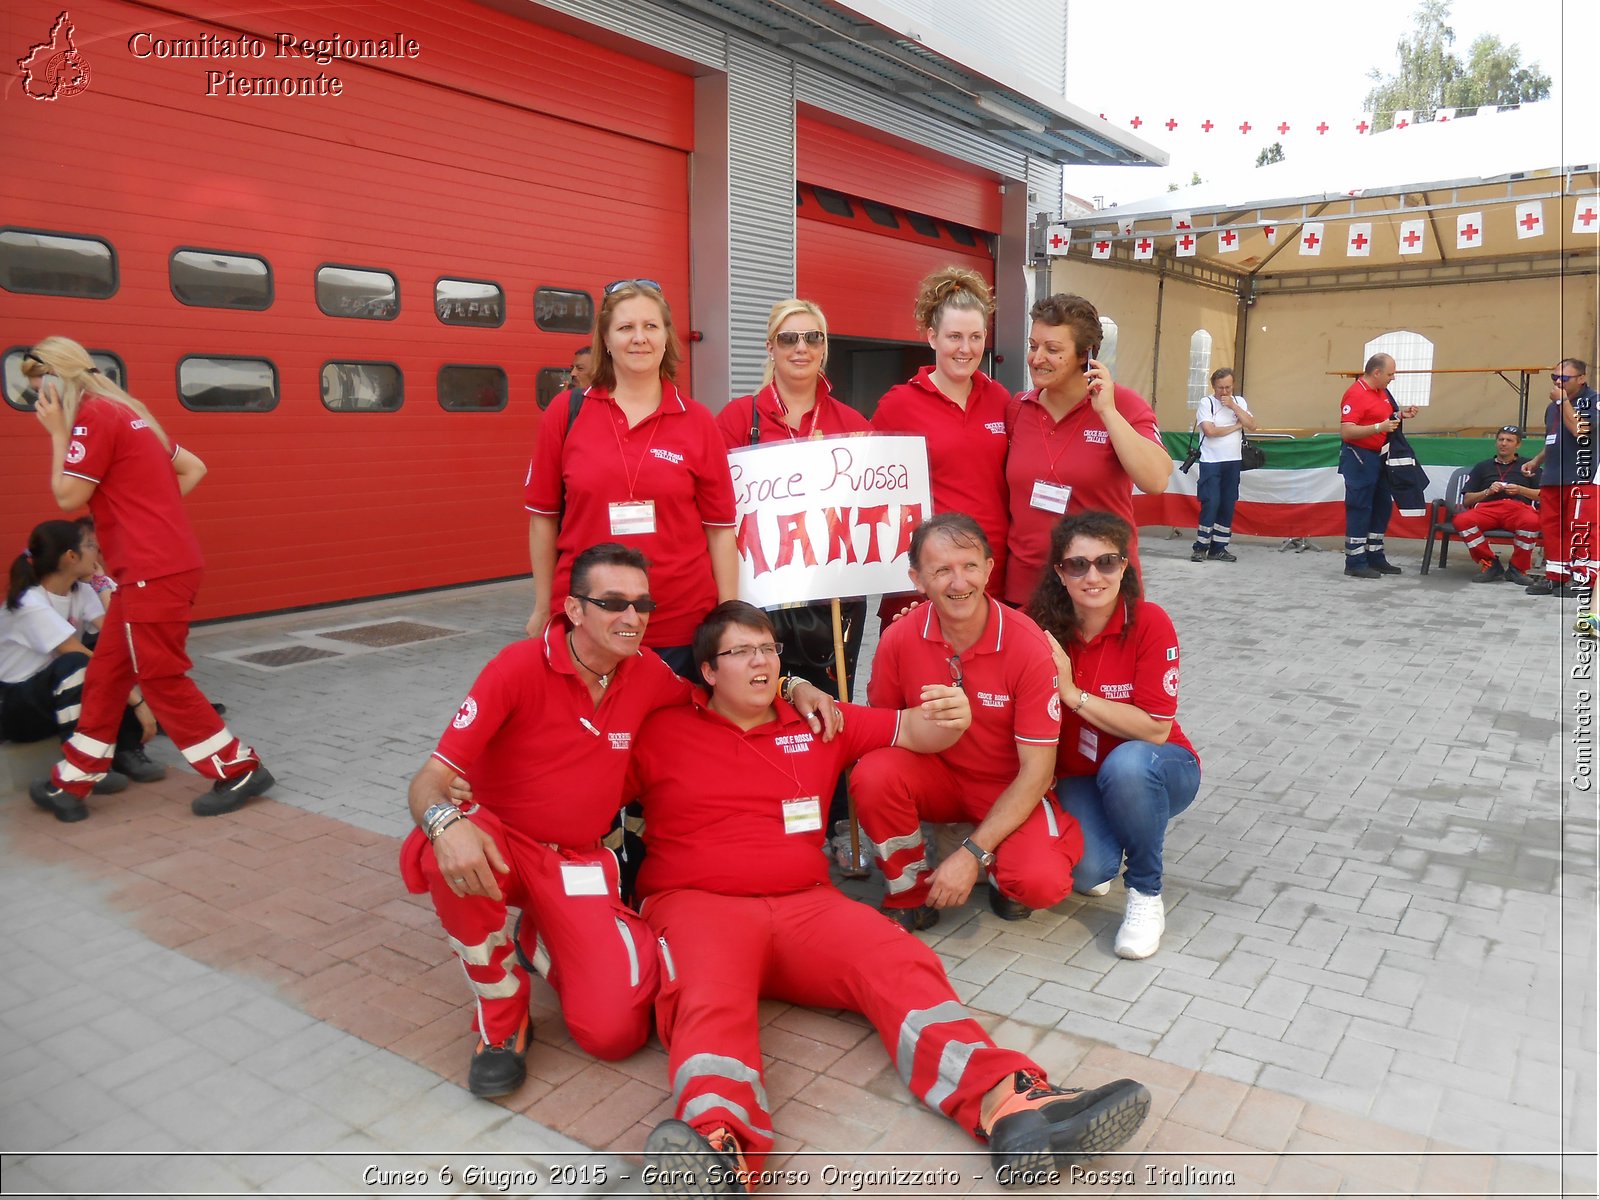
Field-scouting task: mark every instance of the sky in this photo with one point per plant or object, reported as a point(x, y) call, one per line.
point(1267, 63)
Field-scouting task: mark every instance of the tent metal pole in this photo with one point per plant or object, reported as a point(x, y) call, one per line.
point(1155, 359)
point(1241, 331)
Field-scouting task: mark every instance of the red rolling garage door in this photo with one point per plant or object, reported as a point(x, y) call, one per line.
point(367, 413)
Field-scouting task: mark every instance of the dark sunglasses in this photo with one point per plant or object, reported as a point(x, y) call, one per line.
point(1077, 566)
point(1558, 378)
point(622, 283)
point(791, 337)
point(643, 605)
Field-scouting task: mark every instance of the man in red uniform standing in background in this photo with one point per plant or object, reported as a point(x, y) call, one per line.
point(736, 887)
point(1368, 414)
point(997, 776)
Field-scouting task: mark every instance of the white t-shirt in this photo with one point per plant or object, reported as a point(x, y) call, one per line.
point(41, 622)
point(1228, 447)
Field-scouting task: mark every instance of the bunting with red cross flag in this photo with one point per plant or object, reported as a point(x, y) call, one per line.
point(1530, 219)
point(1101, 246)
point(1359, 240)
point(1187, 243)
point(1182, 222)
point(1469, 231)
point(1311, 238)
point(1144, 247)
point(1404, 118)
point(1413, 237)
point(1364, 125)
point(1227, 241)
point(1585, 219)
point(1057, 240)
point(1270, 232)
point(1125, 226)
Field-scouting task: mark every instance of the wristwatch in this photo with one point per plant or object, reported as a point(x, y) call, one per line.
point(985, 857)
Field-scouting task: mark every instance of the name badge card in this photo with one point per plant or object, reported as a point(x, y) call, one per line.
point(1089, 743)
point(802, 815)
point(1051, 497)
point(633, 516)
point(584, 879)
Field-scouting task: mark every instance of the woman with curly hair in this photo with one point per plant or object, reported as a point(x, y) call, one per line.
point(958, 409)
point(1125, 768)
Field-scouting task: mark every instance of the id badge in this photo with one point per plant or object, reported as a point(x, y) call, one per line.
point(802, 815)
point(1089, 743)
point(633, 516)
point(1051, 497)
point(584, 879)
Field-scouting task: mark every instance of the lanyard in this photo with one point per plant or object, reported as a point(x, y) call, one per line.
point(776, 764)
point(1047, 433)
point(633, 478)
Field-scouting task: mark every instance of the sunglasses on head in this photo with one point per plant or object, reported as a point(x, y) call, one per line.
point(622, 283)
point(615, 604)
point(791, 337)
point(1511, 429)
point(1078, 566)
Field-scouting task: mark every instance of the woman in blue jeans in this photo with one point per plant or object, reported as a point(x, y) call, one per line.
point(1125, 767)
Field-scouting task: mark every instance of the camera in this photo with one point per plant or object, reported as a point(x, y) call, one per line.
point(1190, 459)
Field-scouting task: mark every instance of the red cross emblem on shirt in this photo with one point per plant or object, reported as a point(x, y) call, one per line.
point(1529, 220)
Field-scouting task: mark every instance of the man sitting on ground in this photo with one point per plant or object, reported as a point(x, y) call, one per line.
point(999, 774)
point(545, 737)
point(736, 888)
point(1497, 497)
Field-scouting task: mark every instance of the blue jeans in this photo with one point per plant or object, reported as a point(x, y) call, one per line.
point(1218, 490)
point(1124, 808)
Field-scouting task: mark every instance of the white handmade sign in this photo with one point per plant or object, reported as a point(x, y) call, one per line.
point(826, 517)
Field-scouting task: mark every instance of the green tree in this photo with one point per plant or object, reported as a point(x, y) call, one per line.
point(1270, 154)
point(1432, 77)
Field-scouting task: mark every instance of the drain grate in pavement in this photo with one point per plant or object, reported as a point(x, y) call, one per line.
point(288, 656)
point(388, 633)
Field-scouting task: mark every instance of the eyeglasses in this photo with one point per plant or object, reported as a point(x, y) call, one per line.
point(622, 283)
point(1107, 564)
point(1556, 377)
point(643, 605)
point(791, 337)
point(769, 648)
point(955, 670)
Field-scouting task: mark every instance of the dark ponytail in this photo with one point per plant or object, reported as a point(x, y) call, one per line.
point(48, 544)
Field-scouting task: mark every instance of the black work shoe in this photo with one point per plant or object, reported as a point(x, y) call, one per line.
point(913, 919)
point(499, 1069)
point(1515, 576)
point(59, 801)
point(1385, 568)
point(1361, 573)
point(110, 784)
point(1198, 556)
point(1541, 587)
point(1040, 1126)
point(1492, 573)
point(1007, 909)
point(688, 1163)
point(137, 765)
point(1223, 556)
point(228, 794)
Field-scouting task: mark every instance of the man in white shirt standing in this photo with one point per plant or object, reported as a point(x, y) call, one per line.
point(1222, 419)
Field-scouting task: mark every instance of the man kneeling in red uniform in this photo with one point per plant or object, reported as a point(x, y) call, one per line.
point(736, 888)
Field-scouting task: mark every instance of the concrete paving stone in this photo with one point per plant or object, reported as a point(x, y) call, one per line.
point(1210, 989)
point(1128, 979)
point(1317, 1029)
point(1078, 1002)
point(1203, 1008)
point(1451, 1075)
point(1273, 1050)
point(1087, 1025)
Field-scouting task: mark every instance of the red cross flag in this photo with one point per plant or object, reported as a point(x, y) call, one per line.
point(1125, 226)
point(1359, 240)
point(1413, 237)
point(1469, 231)
point(1311, 238)
point(1530, 219)
point(1182, 221)
point(1057, 240)
point(1444, 114)
point(1404, 118)
point(1187, 243)
point(1227, 241)
point(1584, 217)
point(1101, 246)
point(1270, 232)
point(1145, 247)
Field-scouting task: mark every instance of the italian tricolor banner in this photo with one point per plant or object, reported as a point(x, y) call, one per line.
point(1300, 493)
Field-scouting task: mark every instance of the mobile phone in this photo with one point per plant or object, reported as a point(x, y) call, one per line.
point(53, 382)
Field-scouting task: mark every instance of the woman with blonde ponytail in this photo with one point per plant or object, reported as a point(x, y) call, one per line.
point(110, 453)
point(959, 409)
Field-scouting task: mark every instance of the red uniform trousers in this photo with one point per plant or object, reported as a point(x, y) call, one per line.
point(143, 641)
point(897, 790)
point(815, 947)
point(1520, 518)
point(602, 960)
point(1567, 521)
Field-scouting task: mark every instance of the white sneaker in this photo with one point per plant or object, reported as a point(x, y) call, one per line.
point(1099, 889)
point(1142, 926)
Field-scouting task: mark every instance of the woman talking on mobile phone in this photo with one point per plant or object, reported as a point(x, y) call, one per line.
point(1079, 440)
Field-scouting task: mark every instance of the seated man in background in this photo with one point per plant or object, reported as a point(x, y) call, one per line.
point(998, 776)
point(1497, 496)
point(736, 888)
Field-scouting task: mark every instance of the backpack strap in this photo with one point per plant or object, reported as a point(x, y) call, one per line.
point(574, 403)
point(755, 422)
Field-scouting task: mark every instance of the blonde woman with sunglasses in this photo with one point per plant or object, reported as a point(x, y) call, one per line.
point(1124, 766)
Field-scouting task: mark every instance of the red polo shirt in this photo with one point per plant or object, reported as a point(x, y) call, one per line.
point(1364, 404)
point(538, 752)
point(138, 510)
point(1075, 451)
point(714, 797)
point(966, 450)
point(675, 458)
point(829, 417)
point(1008, 674)
point(1140, 668)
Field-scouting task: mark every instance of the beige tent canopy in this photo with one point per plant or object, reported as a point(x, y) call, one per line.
point(1241, 291)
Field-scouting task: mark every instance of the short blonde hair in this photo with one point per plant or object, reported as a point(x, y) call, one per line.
point(781, 312)
point(605, 371)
